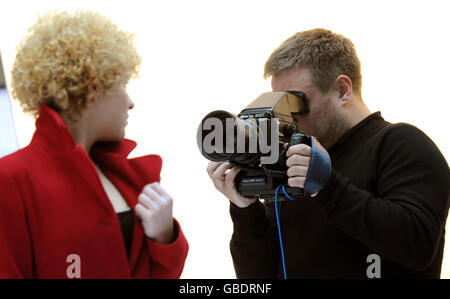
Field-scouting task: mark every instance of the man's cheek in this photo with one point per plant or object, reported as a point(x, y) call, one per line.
point(299, 121)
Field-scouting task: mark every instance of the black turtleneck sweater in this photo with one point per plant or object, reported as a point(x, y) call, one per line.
point(388, 194)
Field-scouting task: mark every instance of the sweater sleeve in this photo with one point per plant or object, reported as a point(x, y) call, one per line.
point(252, 248)
point(168, 259)
point(15, 245)
point(404, 221)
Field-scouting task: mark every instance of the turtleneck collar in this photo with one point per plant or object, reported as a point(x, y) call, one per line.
point(53, 134)
point(355, 134)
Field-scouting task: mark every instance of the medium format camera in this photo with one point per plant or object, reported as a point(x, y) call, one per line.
point(254, 142)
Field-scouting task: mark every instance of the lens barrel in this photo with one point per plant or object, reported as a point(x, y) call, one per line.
point(222, 136)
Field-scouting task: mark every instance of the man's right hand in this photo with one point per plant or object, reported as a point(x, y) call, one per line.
point(222, 174)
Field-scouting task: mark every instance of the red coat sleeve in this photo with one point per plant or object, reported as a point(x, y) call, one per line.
point(168, 259)
point(15, 245)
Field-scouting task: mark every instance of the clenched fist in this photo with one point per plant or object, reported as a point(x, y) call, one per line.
point(298, 163)
point(298, 156)
point(154, 208)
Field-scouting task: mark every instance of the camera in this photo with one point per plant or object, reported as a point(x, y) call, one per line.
point(254, 142)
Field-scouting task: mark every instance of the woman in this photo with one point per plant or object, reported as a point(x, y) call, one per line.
point(71, 203)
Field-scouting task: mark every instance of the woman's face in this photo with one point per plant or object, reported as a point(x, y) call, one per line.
point(111, 113)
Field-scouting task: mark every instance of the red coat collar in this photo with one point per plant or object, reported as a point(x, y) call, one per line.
point(53, 134)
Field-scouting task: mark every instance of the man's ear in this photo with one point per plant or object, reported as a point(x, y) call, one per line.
point(344, 85)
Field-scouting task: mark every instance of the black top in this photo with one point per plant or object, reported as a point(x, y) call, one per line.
point(388, 194)
point(126, 220)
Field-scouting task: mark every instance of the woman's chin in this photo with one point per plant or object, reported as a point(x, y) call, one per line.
point(116, 137)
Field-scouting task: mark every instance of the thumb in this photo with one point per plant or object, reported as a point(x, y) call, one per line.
point(231, 175)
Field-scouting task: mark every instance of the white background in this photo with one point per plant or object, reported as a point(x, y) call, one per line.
point(200, 56)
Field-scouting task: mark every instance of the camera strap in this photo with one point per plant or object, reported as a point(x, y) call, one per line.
point(319, 169)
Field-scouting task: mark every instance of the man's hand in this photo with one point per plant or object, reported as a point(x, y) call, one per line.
point(298, 164)
point(222, 174)
point(155, 210)
point(299, 156)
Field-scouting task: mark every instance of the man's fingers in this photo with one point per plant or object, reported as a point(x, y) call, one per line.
point(296, 171)
point(297, 182)
point(231, 175)
point(212, 166)
point(297, 160)
point(300, 149)
point(219, 173)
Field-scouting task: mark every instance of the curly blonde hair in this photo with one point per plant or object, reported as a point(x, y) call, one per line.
point(65, 53)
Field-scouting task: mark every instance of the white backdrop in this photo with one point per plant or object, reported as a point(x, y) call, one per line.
point(200, 56)
point(8, 140)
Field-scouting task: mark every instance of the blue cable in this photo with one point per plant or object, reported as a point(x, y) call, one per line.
point(279, 226)
point(285, 193)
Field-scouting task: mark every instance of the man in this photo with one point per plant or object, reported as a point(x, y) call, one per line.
point(387, 195)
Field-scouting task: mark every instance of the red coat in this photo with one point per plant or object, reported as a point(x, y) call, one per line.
point(52, 205)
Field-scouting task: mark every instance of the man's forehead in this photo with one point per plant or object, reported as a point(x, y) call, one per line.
point(298, 79)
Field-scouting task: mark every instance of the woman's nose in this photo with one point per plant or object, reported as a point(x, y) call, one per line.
point(130, 104)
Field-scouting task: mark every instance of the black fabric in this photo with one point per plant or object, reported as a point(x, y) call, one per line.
point(126, 220)
point(388, 194)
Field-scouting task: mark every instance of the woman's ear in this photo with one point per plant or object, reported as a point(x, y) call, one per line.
point(344, 85)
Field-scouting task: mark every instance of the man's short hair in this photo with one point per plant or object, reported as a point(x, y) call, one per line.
point(324, 53)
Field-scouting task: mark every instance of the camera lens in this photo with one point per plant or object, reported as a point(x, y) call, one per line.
point(222, 136)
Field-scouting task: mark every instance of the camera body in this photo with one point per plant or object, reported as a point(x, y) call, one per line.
point(254, 141)
point(262, 181)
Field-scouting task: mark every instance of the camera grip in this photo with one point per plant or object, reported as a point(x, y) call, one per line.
point(319, 166)
point(299, 138)
point(296, 138)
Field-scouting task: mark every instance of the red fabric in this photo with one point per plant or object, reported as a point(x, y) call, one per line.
point(52, 205)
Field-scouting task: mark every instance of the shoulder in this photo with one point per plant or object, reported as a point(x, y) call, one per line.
point(407, 137)
point(405, 131)
point(16, 163)
point(403, 143)
point(11, 169)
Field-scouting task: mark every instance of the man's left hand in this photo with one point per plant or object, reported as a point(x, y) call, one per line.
point(299, 156)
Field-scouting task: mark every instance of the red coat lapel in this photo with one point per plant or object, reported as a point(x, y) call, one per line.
point(129, 176)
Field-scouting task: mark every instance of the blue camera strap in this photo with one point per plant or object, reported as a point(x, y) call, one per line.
point(319, 169)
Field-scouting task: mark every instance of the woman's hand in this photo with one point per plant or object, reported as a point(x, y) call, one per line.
point(154, 208)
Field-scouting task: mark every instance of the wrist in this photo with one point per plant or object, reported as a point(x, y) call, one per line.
point(165, 237)
point(244, 202)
